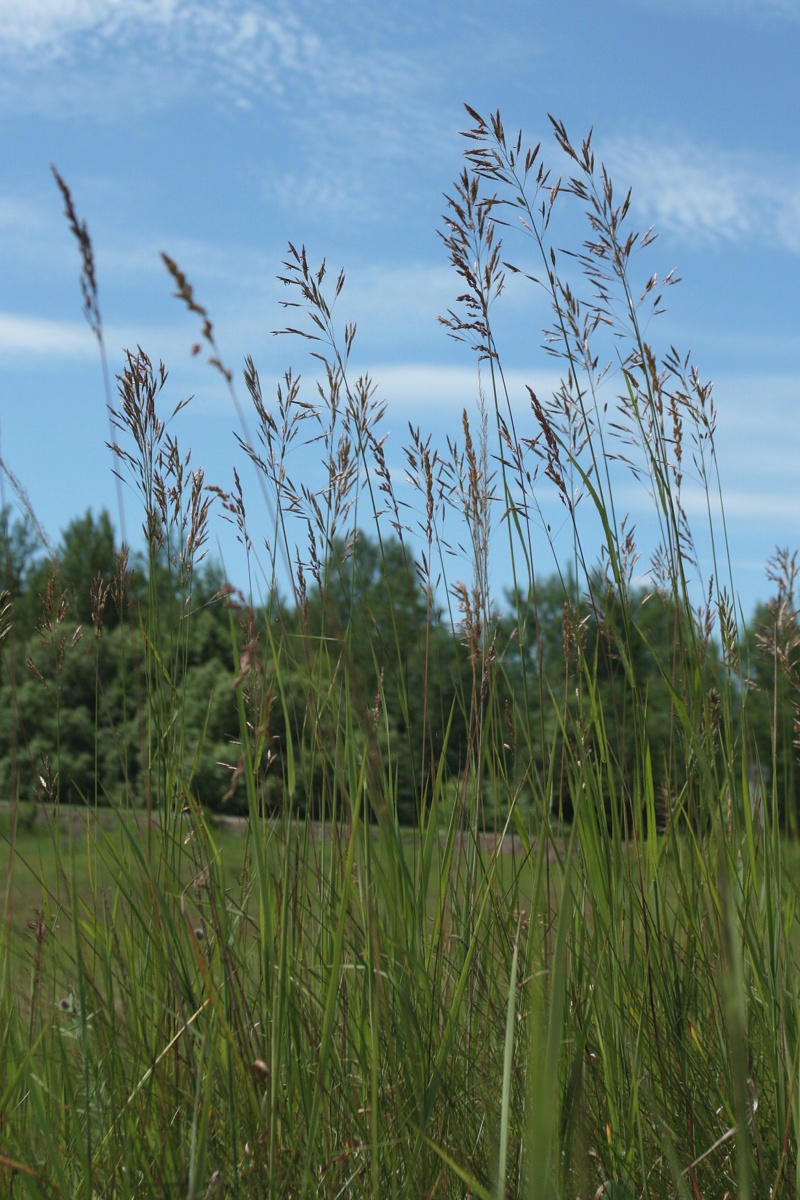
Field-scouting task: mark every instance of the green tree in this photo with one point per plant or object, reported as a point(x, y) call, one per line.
point(771, 657)
point(20, 555)
point(394, 663)
point(88, 550)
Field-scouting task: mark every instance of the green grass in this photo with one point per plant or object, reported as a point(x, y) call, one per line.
point(357, 1008)
point(375, 1041)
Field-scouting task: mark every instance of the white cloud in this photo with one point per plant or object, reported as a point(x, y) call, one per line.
point(147, 50)
point(48, 26)
point(741, 504)
point(35, 336)
point(348, 109)
point(21, 217)
point(352, 103)
point(33, 341)
point(435, 390)
point(759, 408)
point(758, 455)
point(706, 195)
point(339, 192)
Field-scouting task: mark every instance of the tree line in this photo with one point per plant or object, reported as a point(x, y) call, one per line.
point(364, 661)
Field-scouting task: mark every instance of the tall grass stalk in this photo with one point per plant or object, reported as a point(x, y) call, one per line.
point(489, 1001)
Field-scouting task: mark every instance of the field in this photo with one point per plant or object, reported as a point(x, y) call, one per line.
point(510, 910)
point(530, 1003)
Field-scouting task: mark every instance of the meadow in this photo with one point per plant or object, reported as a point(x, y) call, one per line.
point(508, 916)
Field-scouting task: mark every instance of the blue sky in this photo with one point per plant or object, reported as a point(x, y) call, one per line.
point(219, 130)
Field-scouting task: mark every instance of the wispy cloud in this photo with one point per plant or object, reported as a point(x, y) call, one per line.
point(706, 195)
point(234, 47)
point(54, 30)
point(430, 389)
point(29, 337)
point(21, 218)
point(354, 103)
point(28, 343)
point(758, 456)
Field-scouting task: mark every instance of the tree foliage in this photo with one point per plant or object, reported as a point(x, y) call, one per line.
point(365, 666)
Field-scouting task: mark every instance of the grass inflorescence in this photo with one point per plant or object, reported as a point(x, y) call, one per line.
point(506, 915)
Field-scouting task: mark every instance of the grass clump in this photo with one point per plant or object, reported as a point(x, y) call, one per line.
point(504, 920)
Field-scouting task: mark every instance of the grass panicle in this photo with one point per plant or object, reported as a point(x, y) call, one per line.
point(508, 912)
